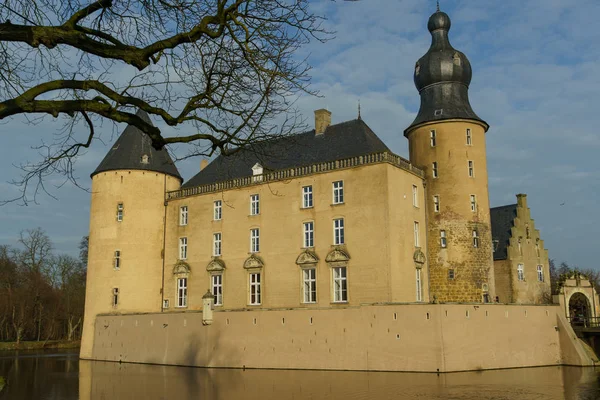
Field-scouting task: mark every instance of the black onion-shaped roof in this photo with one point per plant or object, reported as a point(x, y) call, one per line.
point(133, 150)
point(442, 77)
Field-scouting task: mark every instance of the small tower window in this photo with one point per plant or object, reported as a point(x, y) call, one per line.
point(120, 212)
point(432, 137)
point(473, 203)
point(471, 169)
point(434, 169)
point(469, 138)
point(540, 273)
point(117, 259)
point(451, 274)
point(183, 215)
point(115, 297)
point(436, 203)
point(443, 242)
point(415, 196)
point(520, 272)
point(475, 238)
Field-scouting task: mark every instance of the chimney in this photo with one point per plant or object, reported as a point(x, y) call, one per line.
point(322, 120)
point(203, 164)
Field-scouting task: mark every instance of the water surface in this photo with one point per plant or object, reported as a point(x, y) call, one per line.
point(60, 375)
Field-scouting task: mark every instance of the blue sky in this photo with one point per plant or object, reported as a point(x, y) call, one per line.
point(536, 75)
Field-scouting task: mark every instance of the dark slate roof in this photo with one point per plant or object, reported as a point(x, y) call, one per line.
point(502, 221)
point(343, 140)
point(129, 148)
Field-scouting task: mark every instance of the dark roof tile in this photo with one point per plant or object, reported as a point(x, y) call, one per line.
point(502, 221)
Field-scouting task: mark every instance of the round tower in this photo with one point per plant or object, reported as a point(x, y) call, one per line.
point(125, 265)
point(447, 140)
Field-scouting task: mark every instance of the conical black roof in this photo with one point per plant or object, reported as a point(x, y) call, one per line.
point(133, 150)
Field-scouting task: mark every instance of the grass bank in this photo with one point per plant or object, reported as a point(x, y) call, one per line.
point(50, 344)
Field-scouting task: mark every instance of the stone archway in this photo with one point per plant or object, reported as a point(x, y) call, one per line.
point(579, 309)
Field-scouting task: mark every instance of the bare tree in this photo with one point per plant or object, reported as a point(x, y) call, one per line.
point(226, 72)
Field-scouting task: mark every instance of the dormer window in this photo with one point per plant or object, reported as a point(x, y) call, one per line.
point(257, 173)
point(145, 159)
point(417, 68)
point(456, 59)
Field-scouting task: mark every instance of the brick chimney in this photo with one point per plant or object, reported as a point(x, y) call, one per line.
point(203, 164)
point(322, 120)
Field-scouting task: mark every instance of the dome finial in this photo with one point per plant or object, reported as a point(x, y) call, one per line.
point(359, 109)
point(438, 5)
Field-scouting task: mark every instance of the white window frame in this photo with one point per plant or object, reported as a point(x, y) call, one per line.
point(254, 204)
point(308, 230)
point(339, 235)
point(115, 297)
point(117, 260)
point(120, 209)
point(443, 239)
point(521, 272)
point(434, 169)
point(540, 273)
point(469, 137)
point(419, 285)
point(340, 284)
point(415, 195)
point(217, 244)
point(254, 292)
point(216, 288)
point(416, 233)
point(338, 192)
point(475, 238)
point(307, 196)
point(471, 168)
point(217, 210)
point(436, 203)
point(473, 201)
point(254, 240)
point(182, 294)
point(183, 215)
point(432, 138)
point(183, 243)
point(309, 285)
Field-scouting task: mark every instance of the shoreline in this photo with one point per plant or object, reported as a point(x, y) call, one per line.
point(50, 344)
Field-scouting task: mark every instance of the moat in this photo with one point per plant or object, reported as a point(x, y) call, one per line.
point(60, 375)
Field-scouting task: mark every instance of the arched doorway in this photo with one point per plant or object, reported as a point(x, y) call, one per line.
point(579, 310)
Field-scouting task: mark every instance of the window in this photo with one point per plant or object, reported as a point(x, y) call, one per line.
point(217, 244)
point(217, 289)
point(307, 197)
point(473, 203)
point(217, 208)
point(120, 212)
point(471, 172)
point(117, 259)
point(443, 243)
point(434, 169)
point(475, 238)
point(254, 240)
point(537, 247)
point(340, 285)
point(255, 288)
point(540, 273)
point(254, 204)
point(338, 192)
point(183, 215)
point(182, 292)
point(416, 232)
point(338, 231)
point(436, 203)
point(451, 273)
point(309, 234)
point(469, 138)
point(115, 297)
point(419, 285)
point(432, 138)
point(309, 277)
point(415, 196)
point(166, 303)
point(182, 248)
point(520, 246)
point(520, 272)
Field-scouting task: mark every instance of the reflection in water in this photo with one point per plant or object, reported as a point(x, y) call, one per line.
point(61, 376)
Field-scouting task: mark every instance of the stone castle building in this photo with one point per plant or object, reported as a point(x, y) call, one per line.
point(330, 218)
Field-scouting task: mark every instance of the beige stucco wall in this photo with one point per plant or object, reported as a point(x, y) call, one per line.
point(530, 290)
point(473, 267)
point(139, 237)
point(395, 337)
point(378, 216)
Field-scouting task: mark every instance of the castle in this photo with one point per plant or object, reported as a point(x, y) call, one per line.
point(327, 221)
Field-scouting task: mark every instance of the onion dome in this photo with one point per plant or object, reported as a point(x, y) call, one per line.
point(442, 77)
point(133, 150)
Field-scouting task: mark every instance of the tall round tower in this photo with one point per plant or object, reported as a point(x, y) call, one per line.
point(447, 140)
point(126, 239)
